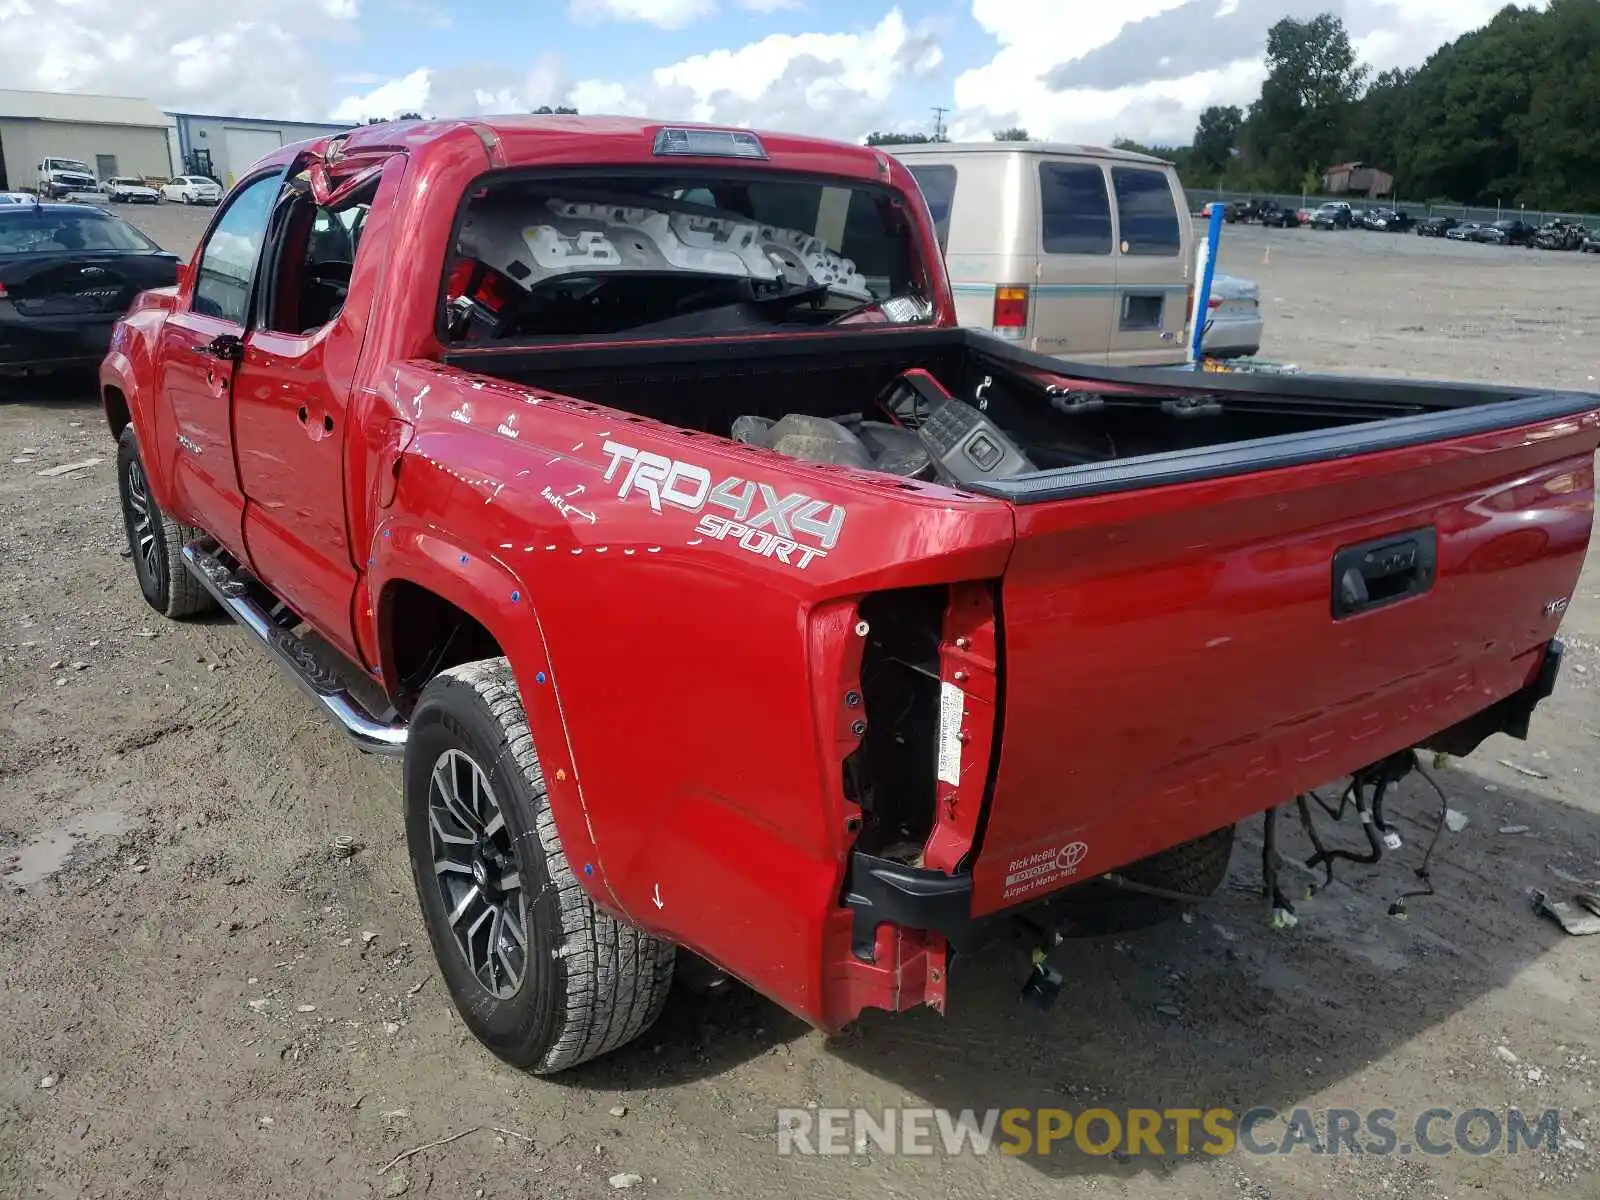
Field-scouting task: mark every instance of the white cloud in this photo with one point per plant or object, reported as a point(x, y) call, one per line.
point(406, 94)
point(188, 54)
point(868, 65)
point(470, 89)
point(667, 14)
point(1066, 69)
point(1075, 71)
point(1037, 35)
point(832, 84)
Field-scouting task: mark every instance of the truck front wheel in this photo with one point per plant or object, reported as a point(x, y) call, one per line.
point(155, 540)
point(540, 976)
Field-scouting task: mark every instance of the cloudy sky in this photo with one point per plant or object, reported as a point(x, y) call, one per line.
point(1080, 70)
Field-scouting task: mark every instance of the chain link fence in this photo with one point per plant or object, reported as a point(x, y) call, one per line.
point(1200, 197)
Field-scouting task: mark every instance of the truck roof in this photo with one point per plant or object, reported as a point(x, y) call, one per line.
point(940, 149)
point(604, 141)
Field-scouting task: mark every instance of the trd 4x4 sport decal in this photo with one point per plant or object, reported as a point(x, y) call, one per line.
point(759, 521)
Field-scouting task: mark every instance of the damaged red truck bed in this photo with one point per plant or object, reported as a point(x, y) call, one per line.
point(633, 483)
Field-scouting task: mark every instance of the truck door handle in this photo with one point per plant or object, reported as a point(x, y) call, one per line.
point(224, 346)
point(1372, 574)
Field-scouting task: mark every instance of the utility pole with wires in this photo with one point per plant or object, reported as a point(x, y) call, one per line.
point(938, 122)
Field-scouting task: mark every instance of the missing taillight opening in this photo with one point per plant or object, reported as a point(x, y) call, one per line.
point(892, 774)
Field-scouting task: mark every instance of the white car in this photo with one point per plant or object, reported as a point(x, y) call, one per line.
point(125, 189)
point(1233, 318)
point(192, 189)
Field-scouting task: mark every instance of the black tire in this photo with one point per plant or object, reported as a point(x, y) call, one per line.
point(588, 983)
point(155, 540)
point(1098, 908)
point(1194, 868)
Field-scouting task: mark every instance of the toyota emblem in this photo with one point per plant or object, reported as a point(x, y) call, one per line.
point(1071, 855)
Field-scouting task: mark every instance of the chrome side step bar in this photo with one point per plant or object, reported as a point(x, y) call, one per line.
point(375, 735)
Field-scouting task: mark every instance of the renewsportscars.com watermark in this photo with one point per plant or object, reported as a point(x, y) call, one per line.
point(1150, 1131)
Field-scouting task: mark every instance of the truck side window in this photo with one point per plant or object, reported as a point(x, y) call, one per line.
point(1145, 210)
point(938, 186)
point(228, 261)
point(1074, 210)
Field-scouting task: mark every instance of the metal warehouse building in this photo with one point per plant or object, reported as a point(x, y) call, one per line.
point(113, 135)
point(224, 147)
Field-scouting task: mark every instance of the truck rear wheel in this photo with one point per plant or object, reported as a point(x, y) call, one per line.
point(540, 976)
point(1197, 868)
point(155, 540)
point(1194, 868)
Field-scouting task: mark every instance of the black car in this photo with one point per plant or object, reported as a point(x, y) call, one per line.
point(1246, 212)
point(67, 272)
point(1506, 233)
point(1273, 215)
point(1591, 242)
point(1436, 226)
point(1386, 220)
point(1333, 215)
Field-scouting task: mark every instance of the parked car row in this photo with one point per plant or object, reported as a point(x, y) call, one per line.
point(1335, 214)
point(65, 178)
point(185, 189)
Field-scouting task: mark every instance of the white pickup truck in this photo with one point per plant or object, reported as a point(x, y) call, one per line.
point(62, 177)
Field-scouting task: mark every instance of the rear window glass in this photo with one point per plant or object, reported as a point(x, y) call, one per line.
point(46, 232)
point(1145, 211)
point(1074, 210)
point(938, 186)
point(689, 253)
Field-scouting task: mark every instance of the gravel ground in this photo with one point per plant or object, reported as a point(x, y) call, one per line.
point(199, 997)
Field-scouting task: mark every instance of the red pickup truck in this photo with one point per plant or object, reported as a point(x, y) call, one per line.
point(635, 484)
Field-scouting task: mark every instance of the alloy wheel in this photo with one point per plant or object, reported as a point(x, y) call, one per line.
point(476, 869)
point(144, 528)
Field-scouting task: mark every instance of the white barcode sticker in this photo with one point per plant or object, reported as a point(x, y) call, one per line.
point(952, 708)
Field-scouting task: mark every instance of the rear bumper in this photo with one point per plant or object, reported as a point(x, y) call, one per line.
point(920, 901)
point(53, 343)
point(1512, 715)
point(1232, 338)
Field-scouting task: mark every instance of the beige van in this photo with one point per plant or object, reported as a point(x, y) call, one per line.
point(1074, 251)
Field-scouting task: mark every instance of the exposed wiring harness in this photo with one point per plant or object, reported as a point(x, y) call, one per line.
point(1398, 908)
point(1366, 793)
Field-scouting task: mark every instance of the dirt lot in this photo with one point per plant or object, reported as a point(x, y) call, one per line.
point(220, 1006)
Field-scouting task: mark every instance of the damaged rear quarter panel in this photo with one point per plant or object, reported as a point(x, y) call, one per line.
point(684, 656)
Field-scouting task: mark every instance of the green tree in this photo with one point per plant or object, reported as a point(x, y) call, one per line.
point(1559, 136)
point(1374, 132)
point(544, 110)
point(1014, 133)
point(1301, 120)
point(1507, 113)
point(1459, 134)
point(1215, 138)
